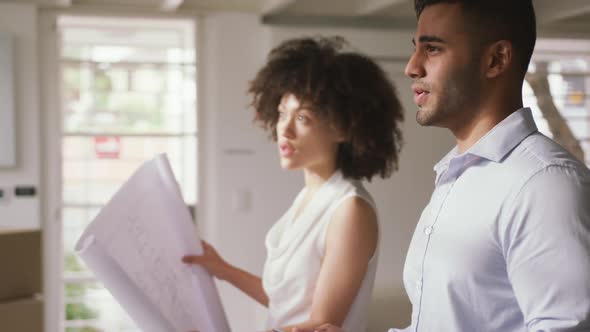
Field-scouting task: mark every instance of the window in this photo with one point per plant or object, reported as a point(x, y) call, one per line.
point(567, 66)
point(128, 93)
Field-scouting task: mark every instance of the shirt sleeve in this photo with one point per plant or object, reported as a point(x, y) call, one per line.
point(546, 243)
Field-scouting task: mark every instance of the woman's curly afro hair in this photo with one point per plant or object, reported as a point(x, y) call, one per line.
point(346, 88)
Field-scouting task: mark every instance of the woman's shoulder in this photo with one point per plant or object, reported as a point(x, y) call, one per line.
point(354, 210)
point(355, 207)
point(354, 221)
point(355, 189)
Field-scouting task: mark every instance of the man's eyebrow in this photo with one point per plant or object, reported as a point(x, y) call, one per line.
point(428, 39)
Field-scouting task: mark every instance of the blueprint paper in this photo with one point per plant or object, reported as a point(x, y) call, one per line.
point(134, 246)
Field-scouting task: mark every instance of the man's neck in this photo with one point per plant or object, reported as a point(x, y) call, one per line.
point(485, 119)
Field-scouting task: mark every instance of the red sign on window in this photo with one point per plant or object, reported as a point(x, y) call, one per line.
point(107, 147)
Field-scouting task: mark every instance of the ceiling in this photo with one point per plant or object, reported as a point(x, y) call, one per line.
point(570, 18)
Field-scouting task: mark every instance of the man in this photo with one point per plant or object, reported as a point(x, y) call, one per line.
point(504, 243)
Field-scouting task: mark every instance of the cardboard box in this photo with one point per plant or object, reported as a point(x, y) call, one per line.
point(23, 315)
point(20, 259)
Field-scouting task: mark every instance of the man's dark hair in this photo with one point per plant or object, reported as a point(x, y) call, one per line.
point(512, 20)
point(347, 89)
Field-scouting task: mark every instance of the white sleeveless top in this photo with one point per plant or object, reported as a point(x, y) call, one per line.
point(294, 255)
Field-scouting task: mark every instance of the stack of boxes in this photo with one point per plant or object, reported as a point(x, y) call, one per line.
point(21, 304)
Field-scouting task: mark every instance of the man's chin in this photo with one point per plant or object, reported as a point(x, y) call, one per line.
point(424, 118)
point(428, 119)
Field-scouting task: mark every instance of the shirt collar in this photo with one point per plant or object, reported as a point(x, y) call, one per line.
point(499, 141)
point(443, 164)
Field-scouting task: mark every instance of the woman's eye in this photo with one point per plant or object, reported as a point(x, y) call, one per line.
point(301, 118)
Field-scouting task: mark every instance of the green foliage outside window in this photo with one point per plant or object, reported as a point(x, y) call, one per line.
point(76, 311)
point(79, 311)
point(99, 105)
point(82, 329)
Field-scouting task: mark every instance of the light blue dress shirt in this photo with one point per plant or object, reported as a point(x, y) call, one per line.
point(504, 243)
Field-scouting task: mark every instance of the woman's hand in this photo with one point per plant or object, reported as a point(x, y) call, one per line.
point(210, 260)
point(220, 269)
point(323, 328)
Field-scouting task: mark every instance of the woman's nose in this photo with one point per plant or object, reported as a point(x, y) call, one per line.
point(285, 127)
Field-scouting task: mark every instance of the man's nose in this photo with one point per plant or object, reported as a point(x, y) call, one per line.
point(414, 68)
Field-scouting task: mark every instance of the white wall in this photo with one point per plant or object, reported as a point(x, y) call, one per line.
point(20, 21)
point(238, 161)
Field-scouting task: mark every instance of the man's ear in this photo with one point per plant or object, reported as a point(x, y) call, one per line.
point(499, 57)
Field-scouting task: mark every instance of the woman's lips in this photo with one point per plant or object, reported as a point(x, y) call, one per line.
point(286, 150)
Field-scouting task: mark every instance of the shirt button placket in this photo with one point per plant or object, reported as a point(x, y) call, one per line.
point(440, 198)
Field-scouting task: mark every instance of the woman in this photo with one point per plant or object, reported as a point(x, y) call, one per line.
point(336, 117)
